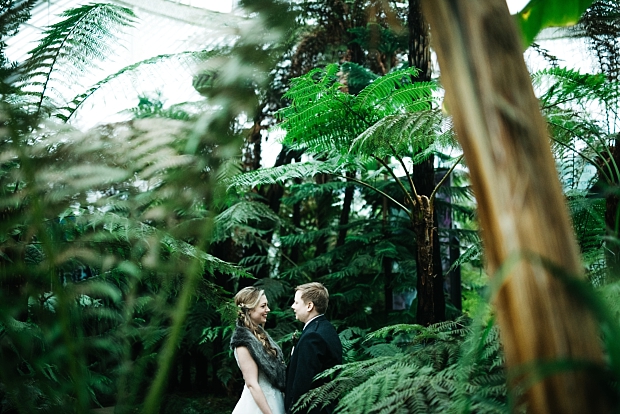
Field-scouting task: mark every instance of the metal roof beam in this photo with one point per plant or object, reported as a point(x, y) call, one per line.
point(180, 12)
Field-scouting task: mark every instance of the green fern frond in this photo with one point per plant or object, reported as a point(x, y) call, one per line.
point(321, 125)
point(185, 58)
point(254, 263)
point(283, 173)
point(128, 230)
point(376, 388)
point(306, 237)
point(13, 14)
point(154, 337)
point(322, 118)
point(381, 350)
point(375, 95)
point(562, 86)
point(312, 86)
point(273, 288)
point(74, 46)
point(473, 252)
point(430, 376)
point(239, 215)
point(402, 134)
point(362, 263)
point(300, 192)
point(386, 331)
point(357, 76)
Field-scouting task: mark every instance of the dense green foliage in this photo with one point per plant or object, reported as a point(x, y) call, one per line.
point(105, 269)
point(120, 247)
point(452, 366)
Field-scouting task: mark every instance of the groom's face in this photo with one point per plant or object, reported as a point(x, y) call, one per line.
point(301, 308)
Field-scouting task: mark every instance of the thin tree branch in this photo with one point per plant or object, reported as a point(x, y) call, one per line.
point(585, 157)
point(384, 194)
point(444, 178)
point(387, 167)
point(402, 163)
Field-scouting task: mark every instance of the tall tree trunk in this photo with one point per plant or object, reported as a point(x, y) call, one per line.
point(612, 202)
point(295, 250)
point(431, 301)
point(419, 41)
point(346, 211)
point(454, 275)
point(322, 214)
point(201, 380)
point(521, 207)
point(422, 224)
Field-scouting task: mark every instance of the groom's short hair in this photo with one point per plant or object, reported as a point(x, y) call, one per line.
point(316, 293)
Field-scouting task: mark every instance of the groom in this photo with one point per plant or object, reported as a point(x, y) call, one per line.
point(318, 348)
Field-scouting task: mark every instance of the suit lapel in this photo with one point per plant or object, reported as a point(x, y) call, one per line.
point(312, 322)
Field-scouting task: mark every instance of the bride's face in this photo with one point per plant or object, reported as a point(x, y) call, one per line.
point(259, 313)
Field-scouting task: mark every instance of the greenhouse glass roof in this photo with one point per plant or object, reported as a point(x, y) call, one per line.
point(162, 27)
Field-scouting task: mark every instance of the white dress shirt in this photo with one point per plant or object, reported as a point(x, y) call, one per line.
point(306, 324)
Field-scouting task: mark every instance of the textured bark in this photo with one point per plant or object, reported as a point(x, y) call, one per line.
point(252, 145)
point(431, 301)
point(455, 275)
point(322, 214)
point(612, 201)
point(274, 192)
point(419, 41)
point(521, 206)
point(345, 212)
point(427, 311)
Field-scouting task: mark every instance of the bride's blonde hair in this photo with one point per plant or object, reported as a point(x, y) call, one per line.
point(246, 300)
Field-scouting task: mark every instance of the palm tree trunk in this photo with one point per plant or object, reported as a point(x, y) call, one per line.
point(521, 207)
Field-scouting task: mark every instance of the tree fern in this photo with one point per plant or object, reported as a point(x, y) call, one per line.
point(394, 93)
point(325, 119)
point(71, 48)
point(406, 133)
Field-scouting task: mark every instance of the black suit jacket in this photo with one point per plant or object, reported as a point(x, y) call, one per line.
point(318, 349)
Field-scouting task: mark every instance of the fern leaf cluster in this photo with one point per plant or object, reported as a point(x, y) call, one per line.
point(12, 15)
point(110, 202)
point(326, 120)
point(562, 86)
point(446, 367)
point(71, 47)
point(422, 132)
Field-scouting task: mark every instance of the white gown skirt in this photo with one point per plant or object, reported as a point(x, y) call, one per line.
point(247, 405)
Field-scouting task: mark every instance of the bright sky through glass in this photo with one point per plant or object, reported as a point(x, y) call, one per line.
point(516, 5)
point(223, 6)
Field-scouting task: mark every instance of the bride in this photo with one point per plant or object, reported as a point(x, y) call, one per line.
point(258, 356)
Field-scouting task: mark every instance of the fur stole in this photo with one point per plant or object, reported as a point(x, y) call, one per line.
point(273, 367)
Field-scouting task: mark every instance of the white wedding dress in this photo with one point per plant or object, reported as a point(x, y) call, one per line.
point(247, 405)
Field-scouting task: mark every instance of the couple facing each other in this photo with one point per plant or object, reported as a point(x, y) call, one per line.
point(271, 388)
